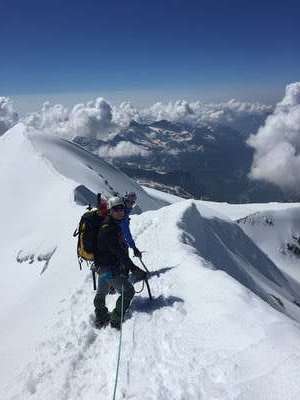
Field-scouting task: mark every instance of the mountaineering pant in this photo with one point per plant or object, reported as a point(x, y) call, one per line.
point(105, 281)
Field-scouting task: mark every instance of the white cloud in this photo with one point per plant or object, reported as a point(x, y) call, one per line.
point(179, 111)
point(123, 150)
point(235, 114)
point(277, 143)
point(93, 119)
point(8, 116)
point(125, 113)
point(51, 119)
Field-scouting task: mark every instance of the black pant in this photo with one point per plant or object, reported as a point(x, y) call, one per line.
point(105, 281)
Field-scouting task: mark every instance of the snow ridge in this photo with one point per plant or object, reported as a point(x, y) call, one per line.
point(205, 336)
point(191, 342)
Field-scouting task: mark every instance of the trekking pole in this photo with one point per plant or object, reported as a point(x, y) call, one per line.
point(94, 279)
point(143, 264)
point(146, 279)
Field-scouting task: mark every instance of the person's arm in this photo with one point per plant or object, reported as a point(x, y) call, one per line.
point(112, 240)
point(114, 245)
point(126, 232)
point(128, 237)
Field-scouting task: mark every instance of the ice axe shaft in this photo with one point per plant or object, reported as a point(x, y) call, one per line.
point(148, 288)
point(143, 264)
point(94, 279)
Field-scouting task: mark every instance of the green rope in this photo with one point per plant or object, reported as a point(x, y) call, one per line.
point(140, 291)
point(120, 344)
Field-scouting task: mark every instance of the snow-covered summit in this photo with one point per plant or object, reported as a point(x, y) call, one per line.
point(79, 165)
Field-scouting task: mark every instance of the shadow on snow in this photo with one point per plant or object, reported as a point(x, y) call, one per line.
point(144, 305)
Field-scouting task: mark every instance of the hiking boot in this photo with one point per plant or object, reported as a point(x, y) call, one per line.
point(115, 320)
point(115, 324)
point(100, 323)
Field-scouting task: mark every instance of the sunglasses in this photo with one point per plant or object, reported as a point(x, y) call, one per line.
point(130, 202)
point(118, 208)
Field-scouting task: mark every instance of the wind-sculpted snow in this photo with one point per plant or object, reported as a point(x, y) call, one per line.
point(31, 258)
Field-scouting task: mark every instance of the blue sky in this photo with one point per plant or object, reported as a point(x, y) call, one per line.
point(167, 48)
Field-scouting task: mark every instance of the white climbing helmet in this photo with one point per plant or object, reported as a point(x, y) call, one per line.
point(115, 201)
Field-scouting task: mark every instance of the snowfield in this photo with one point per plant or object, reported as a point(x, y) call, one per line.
point(223, 321)
point(276, 230)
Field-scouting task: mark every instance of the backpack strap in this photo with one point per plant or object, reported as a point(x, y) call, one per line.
point(76, 232)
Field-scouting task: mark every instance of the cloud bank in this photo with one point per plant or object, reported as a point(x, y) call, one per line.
point(8, 116)
point(277, 144)
point(237, 115)
point(243, 116)
point(98, 119)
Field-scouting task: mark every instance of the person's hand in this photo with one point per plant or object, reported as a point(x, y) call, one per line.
point(139, 274)
point(137, 253)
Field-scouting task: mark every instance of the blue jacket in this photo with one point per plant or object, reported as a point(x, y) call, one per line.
point(124, 224)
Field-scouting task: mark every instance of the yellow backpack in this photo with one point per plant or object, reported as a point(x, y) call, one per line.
point(87, 233)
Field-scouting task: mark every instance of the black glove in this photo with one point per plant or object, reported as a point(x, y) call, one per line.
point(137, 253)
point(138, 273)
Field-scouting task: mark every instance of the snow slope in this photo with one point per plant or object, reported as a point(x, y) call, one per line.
point(204, 336)
point(38, 178)
point(272, 231)
point(77, 164)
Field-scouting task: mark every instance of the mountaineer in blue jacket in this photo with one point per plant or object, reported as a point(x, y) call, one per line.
point(129, 201)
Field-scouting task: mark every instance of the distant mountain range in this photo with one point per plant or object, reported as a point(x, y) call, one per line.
point(208, 162)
